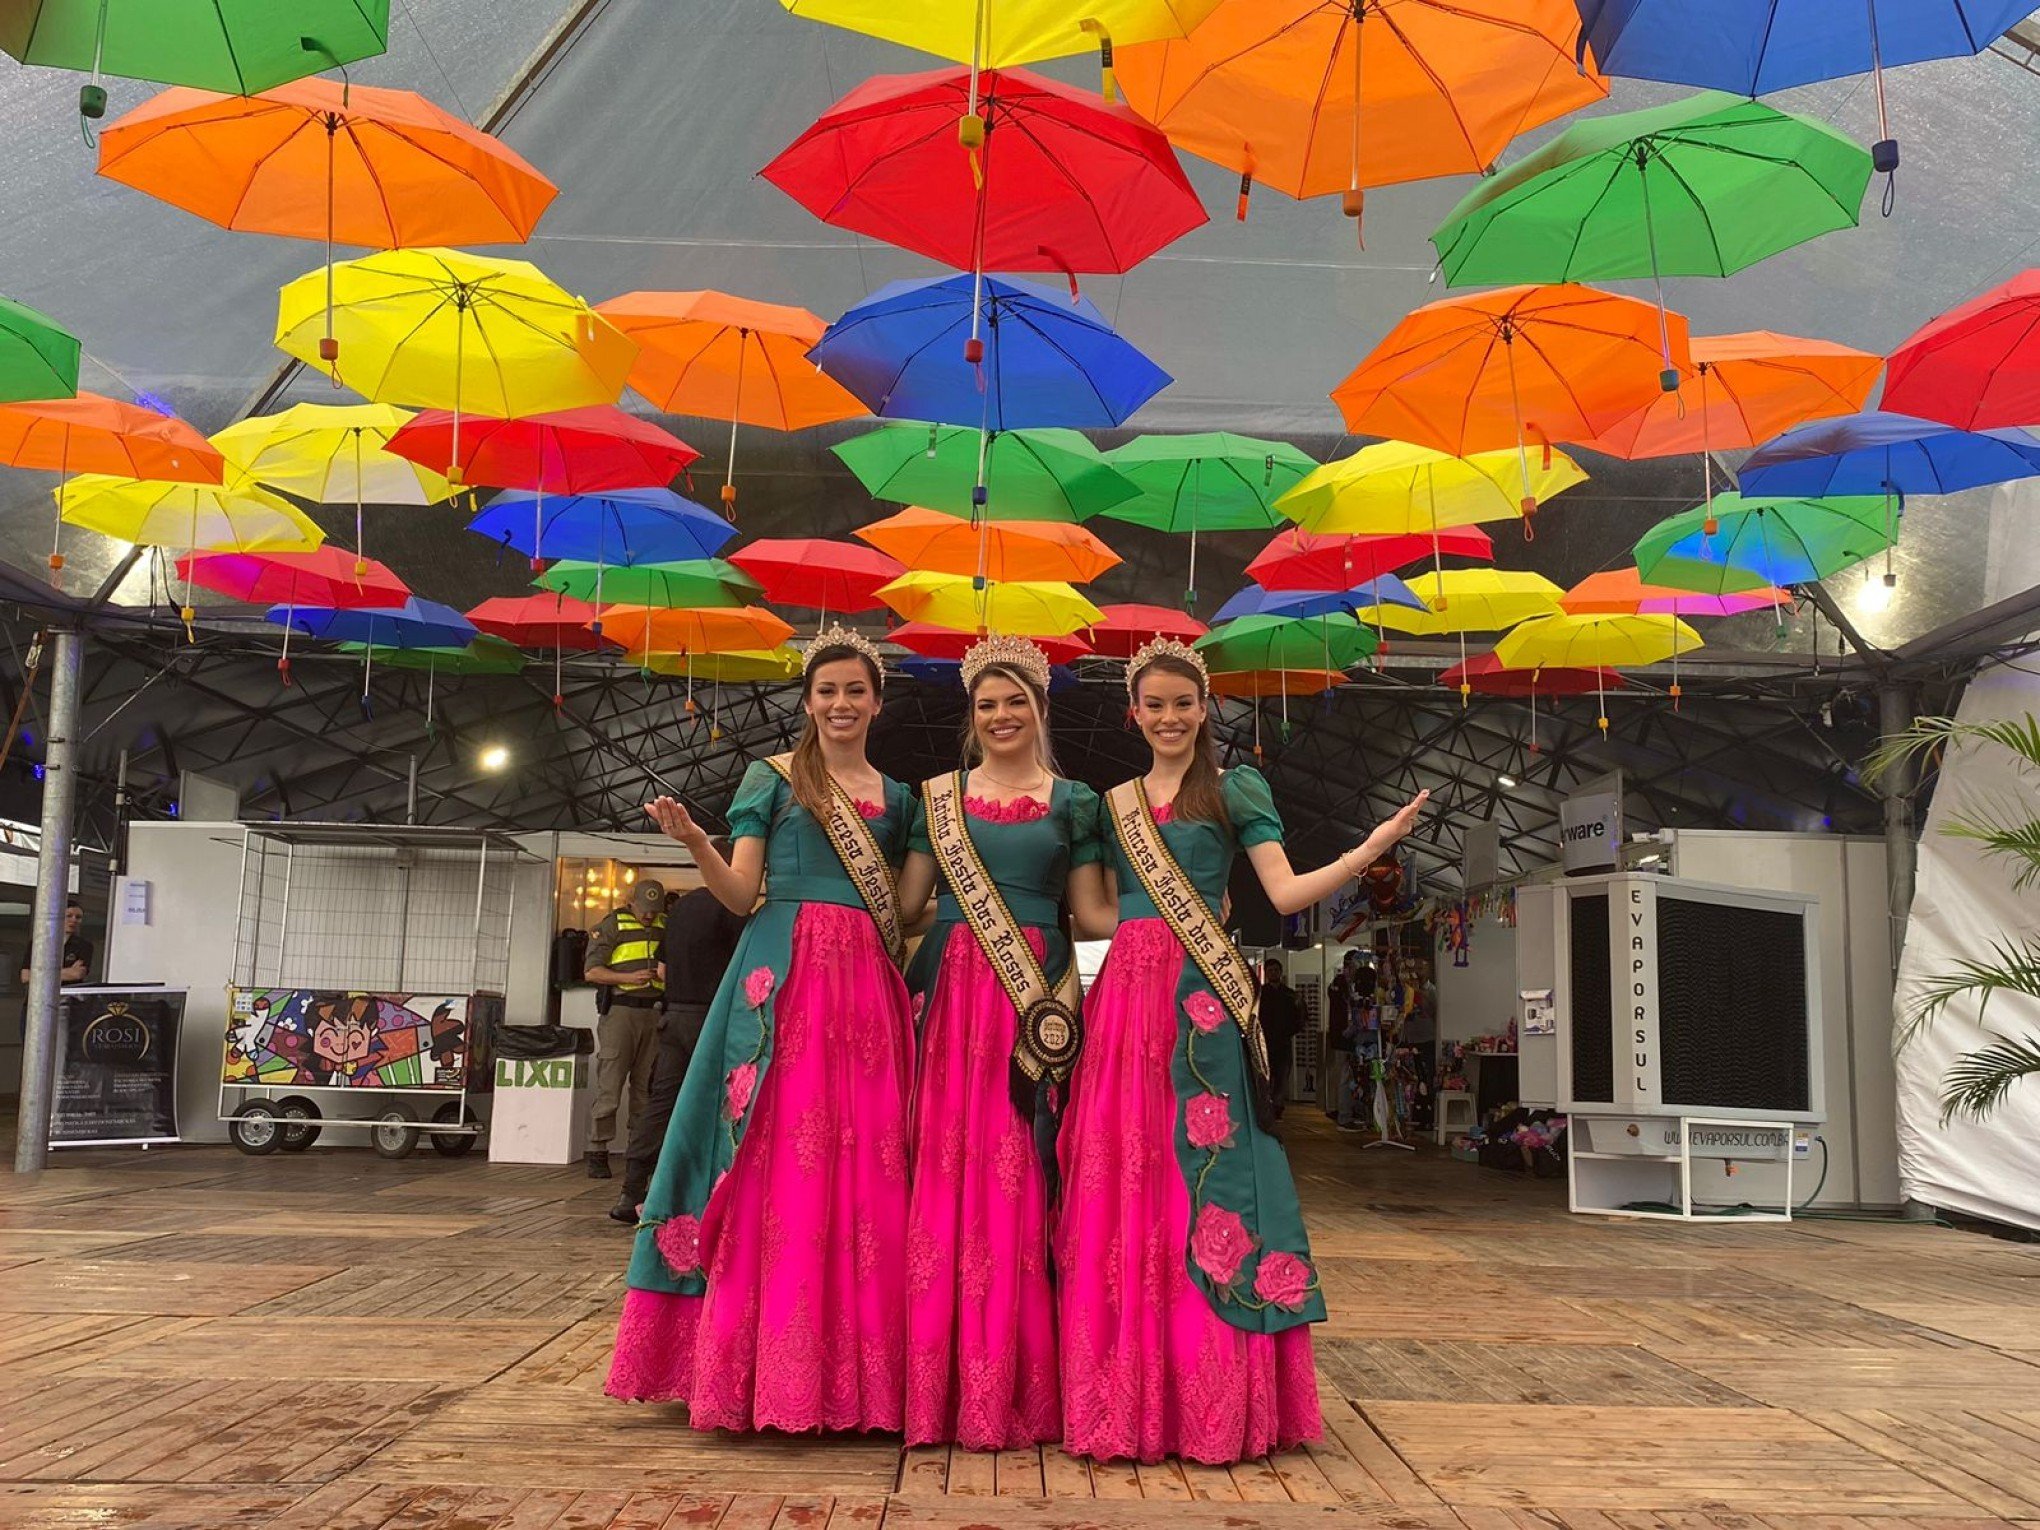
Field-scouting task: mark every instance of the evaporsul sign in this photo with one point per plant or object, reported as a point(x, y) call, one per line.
point(1590, 831)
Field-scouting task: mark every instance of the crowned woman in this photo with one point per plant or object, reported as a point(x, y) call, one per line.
point(764, 1284)
point(1015, 848)
point(1187, 1287)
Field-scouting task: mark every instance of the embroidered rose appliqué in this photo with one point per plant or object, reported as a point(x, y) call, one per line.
point(1208, 1120)
point(1220, 1243)
point(1282, 1281)
point(679, 1241)
point(757, 986)
point(1204, 1010)
point(737, 1090)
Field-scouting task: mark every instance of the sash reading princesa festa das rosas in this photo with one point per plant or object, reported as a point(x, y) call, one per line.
point(1050, 1034)
point(863, 862)
point(1183, 908)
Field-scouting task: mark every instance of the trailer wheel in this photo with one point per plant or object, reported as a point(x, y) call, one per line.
point(257, 1128)
point(393, 1135)
point(303, 1116)
point(455, 1144)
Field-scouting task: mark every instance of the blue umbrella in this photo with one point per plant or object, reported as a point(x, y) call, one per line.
point(1387, 590)
point(415, 624)
point(1878, 453)
point(1753, 47)
point(619, 528)
point(949, 673)
point(911, 351)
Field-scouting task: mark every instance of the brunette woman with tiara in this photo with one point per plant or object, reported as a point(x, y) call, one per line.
point(1186, 1283)
point(995, 994)
point(765, 1288)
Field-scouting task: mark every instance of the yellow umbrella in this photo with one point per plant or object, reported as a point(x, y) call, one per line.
point(766, 666)
point(235, 516)
point(1023, 608)
point(331, 453)
point(1600, 640)
point(993, 34)
point(1463, 600)
point(450, 330)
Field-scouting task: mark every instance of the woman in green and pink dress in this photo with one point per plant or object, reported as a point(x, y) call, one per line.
point(1187, 1287)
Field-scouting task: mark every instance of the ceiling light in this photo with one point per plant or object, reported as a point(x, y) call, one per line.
point(495, 757)
point(1505, 781)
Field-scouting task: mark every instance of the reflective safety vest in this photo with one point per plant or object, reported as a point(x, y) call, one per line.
point(636, 949)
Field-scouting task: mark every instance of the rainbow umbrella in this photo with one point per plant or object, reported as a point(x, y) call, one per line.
point(1738, 544)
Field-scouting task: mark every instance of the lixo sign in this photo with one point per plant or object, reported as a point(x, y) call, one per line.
point(1590, 829)
point(538, 1072)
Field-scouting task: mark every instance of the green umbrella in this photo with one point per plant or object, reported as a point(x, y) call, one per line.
point(1211, 481)
point(1701, 187)
point(1747, 545)
point(486, 655)
point(1287, 642)
point(1030, 475)
point(697, 582)
point(37, 359)
point(238, 47)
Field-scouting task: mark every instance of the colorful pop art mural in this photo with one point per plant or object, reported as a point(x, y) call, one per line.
point(319, 1038)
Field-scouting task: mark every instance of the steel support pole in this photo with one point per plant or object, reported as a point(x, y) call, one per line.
point(52, 891)
point(411, 793)
point(1896, 714)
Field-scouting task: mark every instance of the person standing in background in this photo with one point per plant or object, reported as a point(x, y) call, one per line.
point(1345, 1005)
point(77, 966)
point(1281, 1021)
point(701, 937)
point(623, 955)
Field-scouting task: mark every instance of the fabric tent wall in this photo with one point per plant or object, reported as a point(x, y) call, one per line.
point(1962, 902)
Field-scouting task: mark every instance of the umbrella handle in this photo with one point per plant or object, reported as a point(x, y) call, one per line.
point(92, 97)
point(729, 487)
point(1108, 86)
point(1884, 152)
point(329, 345)
point(1354, 203)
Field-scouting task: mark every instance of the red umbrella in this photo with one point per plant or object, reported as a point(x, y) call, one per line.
point(933, 642)
point(1127, 627)
point(1316, 560)
point(325, 577)
point(1484, 673)
point(568, 451)
point(813, 571)
point(995, 169)
point(1976, 366)
point(553, 621)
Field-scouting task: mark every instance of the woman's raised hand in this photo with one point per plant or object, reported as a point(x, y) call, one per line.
point(674, 821)
point(1397, 828)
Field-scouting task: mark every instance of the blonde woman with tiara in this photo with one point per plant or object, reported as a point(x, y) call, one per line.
point(1013, 849)
point(764, 1286)
point(1187, 1287)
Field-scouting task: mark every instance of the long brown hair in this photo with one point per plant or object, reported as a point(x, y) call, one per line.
point(811, 788)
point(973, 754)
point(1199, 796)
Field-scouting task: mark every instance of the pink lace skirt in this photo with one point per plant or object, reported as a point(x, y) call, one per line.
point(981, 1360)
point(1149, 1369)
point(803, 1323)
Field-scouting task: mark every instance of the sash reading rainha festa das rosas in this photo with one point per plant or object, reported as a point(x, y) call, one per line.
point(863, 862)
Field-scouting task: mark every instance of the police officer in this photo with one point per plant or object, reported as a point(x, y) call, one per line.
point(623, 955)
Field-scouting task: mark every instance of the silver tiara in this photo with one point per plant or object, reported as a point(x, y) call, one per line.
point(1015, 653)
point(839, 636)
point(1166, 648)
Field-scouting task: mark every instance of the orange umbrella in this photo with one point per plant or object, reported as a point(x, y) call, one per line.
point(322, 159)
point(647, 630)
point(94, 434)
point(1322, 96)
point(1740, 391)
point(1497, 369)
point(997, 550)
point(1252, 684)
point(728, 358)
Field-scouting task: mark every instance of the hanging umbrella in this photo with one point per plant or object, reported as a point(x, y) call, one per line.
point(326, 576)
point(1755, 47)
point(1295, 559)
point(239, 46)
point(952, 643)
point(1889, 454)
point(484, 655)
point(1397, 489)
point(1028, 475)
point(1282, 642)
point(817, 573)
point(1462, 600)
point(1213, 481)
point(1596, 642)
point(1122, 629)
point(413, 623)
point(645, 630)
point(720, 357)
point(1249, 684)
point(1977, 365)
point(449, 330)
point(994, 33)
point(1486, 674)
point(619, 528)
point(1043, 360)
point(1384, 590)
point(1317, 97)
point(93, 434)
point(1023, 608)
point(1747, 546)
point(38, 359)
point(1741, 390)
point(314, 159)
point(998, 170)
point(743, 665)
point(1499, 369)
point(331, 453)
point(1002, 550)
point(703, 582)
point(538, 621)
point(1622, 591)
point(563, 451)
point(1699, 187)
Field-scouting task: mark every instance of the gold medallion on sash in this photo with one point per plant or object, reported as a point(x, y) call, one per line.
point(1051, 1034)
point(1188, 916)
point(863, 862)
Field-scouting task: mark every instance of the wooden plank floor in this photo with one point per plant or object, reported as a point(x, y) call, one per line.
point(192, 1338)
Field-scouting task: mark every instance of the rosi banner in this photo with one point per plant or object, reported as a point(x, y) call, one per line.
point(116, 1066)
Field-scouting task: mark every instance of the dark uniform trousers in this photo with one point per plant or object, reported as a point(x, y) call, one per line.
point(678, 1034)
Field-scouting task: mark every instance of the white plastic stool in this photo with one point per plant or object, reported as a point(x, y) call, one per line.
point(1447, 1099)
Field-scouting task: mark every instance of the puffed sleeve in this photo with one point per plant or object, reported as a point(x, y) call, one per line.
point(917, 830)
point(903, 817)
point(757, 799)
point(1251, 807)
point(1087, 847)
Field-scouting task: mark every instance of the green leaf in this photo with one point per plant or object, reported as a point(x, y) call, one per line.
point(1978, 1082)
point(2016, 970)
